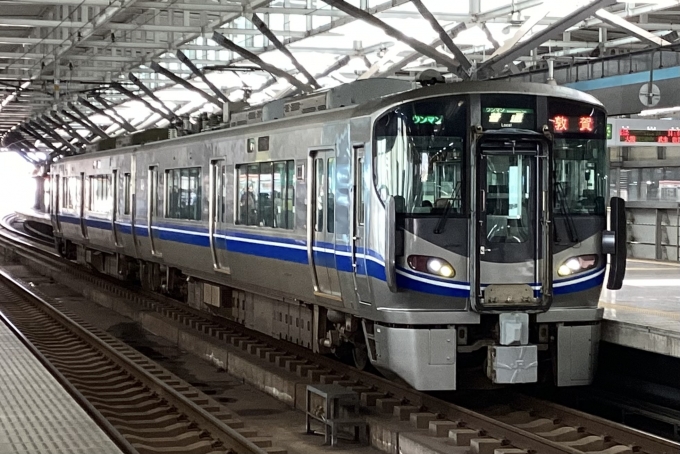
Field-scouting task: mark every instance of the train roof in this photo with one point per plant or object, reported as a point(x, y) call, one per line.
point(372, 107)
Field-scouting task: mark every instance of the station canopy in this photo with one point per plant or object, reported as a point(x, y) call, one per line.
point(74, 72)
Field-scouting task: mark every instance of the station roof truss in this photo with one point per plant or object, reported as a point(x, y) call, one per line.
point(73, 72)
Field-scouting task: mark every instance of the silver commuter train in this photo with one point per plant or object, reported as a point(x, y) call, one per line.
point(456, 226)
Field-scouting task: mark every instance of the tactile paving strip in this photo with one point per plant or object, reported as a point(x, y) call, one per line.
point(37, 415)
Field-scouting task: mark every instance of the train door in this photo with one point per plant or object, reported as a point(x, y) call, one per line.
point(153, 205)
point(133, 203)
point(114, 207)
point(84, 194)
point(56, 203)
point(512, 253)
point(218, 215)
point(358, 249)
point(321, 228)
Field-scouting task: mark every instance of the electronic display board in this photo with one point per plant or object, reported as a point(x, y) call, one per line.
point(508, 117)
point(662, 136)
point(567, 123)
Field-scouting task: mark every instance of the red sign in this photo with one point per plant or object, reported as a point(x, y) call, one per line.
point(586, 124)
point(565, 124)
point(561, 123)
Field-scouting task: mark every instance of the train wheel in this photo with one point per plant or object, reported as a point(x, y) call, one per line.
point(360, 354)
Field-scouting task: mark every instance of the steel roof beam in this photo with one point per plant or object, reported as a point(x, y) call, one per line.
point(346, 19)
point(64, 124)
point(189, 64)
point(185, 83)
point(108, 106)
point(33, 133)
point(164, 112)
point(421, 47)
point(630, 28)
point(85, 121)
point(334, 67)
point(232, 46)
point(104, 17)
point(209, 7)
point(18, 137)
point(89, 127)
point(257, 22)
point(444, 37)
point(489, 36)
point(413, 56)
point(38, 125)
point(125, 125)
point(496, 64)
point(522, 31)
point(58, 125)
point(72, 142)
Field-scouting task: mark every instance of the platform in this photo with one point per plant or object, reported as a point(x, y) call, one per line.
point(34, 215)
point(37, 415)
point(645, 313)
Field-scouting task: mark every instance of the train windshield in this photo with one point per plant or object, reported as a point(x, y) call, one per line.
point(580, 158)
point(419, 155)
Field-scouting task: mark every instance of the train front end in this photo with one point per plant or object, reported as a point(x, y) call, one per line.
point(493, 204)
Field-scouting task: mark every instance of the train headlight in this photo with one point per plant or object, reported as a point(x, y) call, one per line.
point(431, 265)
point(574, 265)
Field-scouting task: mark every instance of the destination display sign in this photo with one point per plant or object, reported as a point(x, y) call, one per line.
point(508, 117)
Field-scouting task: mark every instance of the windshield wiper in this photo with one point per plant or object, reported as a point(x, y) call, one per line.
point(444, 217)
point(568, 219)
point(441, 224)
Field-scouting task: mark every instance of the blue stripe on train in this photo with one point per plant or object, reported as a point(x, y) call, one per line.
point(294, 250)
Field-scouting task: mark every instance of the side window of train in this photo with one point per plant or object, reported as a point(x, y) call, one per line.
point(127, 197)
point(99, 193)
point(69, 193)
point(330, 196)
point(183, 193)
point(266, 194)
point(64, 192)
point(361, 207)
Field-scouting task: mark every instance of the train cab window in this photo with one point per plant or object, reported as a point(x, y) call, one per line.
point(419, 156)
point(266, 194)
point(580, 158)
point(100, 193)
point(183, 193)
point(127, 195)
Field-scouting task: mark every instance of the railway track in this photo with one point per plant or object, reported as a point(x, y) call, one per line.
point(150, 408)
point(527, 425)
point(7, 223)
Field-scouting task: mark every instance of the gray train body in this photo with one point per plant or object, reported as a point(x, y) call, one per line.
point(341, 272)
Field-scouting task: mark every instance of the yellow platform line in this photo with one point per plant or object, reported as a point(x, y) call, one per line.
point(656, 262)
point(639, 310)
point(650, 269)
